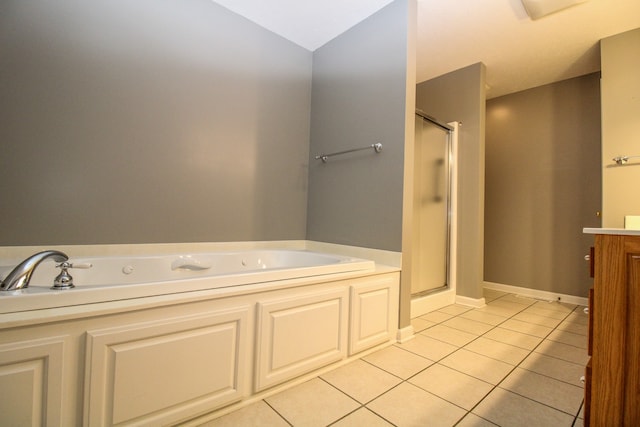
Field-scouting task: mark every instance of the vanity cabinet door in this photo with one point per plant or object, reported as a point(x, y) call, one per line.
point(31, 382)
point(296, 335)
point(632, 346)
point(163, 371)
point(615, 366)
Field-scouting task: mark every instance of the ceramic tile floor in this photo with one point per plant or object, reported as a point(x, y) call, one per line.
point(515, 362)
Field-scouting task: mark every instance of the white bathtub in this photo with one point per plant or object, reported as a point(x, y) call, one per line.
point(113, 278)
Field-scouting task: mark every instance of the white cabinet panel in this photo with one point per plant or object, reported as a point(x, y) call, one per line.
point(31, 375)
point(374, 308)
point(167, 370)
point(298, 335)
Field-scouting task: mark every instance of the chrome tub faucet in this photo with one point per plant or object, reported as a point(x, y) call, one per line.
point(20, 276)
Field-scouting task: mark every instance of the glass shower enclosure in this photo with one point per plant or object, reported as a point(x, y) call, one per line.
point(432, 204)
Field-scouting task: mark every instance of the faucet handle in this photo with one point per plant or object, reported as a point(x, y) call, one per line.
point(67, 264)
point(64, 279)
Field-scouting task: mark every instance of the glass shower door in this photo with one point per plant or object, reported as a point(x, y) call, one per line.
point(431, 208)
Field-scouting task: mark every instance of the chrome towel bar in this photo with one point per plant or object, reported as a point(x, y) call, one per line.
point(325, 157)
point(622, 160)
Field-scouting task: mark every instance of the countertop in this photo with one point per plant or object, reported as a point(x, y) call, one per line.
point(618, 231)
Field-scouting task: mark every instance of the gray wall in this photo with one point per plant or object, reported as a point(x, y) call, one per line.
point(460, 96)
point(358, 98)
point(543, 185)
point(149, 121)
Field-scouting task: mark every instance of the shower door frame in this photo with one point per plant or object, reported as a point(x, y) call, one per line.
point(435, 298)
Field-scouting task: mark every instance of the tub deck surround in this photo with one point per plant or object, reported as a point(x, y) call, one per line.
point(118, 278)
point(262, 334)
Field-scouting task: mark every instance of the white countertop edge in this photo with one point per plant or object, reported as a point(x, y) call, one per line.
point(618, 231)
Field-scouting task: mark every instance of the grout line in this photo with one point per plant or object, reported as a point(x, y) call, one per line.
point(517, 366)
point(276, 411)
point(532, 351)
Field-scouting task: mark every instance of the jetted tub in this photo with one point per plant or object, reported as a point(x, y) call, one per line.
point(113, 278)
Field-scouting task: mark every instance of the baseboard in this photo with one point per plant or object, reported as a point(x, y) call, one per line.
point(405, 334)
point(431, 302)
point(537, 294)
point(471, 302)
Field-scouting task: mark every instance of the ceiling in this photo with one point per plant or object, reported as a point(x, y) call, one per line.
point(519, 53)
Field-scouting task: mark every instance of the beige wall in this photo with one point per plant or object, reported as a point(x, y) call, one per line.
point(460, 96)
point(543, 185)
point(620, 57)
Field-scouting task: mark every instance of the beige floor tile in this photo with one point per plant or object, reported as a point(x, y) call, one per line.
point(518, 339)
point(478, 366)
point(508, 304)
point(362, 417)
point(557, 394)
point(562, 307)
point(526, 328)
point(507, 409)
point(361, 380)
point(518, 299)
point(449, 335)
point(399, 362)
point(497, 350)
point(540, 311)
point(563, 351)
point(555, 368)
point(436, 316)
point(536, 320)
point(513, 307)
point(428, 347)
point(451, 385)
point(504, 310)
point(454, 309)
point(491, 294)
point(255, 415)
point(408, 405)
point(573, 327)
point(313, 403)
point(578, 316)
point(570, 338)
point(469, 326)
point(484, 317)
point(420, 324)
point(472, 420)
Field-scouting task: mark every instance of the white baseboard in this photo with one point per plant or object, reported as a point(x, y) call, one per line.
point(405, 334)
point(428, 303)
point(471, 302)
point(537, 294)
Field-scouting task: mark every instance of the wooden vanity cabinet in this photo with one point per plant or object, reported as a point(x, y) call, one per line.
point(612, 389)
